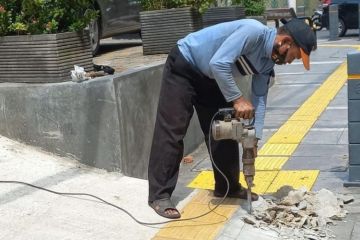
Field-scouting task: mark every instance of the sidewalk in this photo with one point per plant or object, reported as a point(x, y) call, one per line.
point(28, 213)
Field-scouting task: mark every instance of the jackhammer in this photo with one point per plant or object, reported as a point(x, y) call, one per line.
point(243, 132)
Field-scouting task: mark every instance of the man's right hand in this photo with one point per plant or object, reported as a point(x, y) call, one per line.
point(243, 108)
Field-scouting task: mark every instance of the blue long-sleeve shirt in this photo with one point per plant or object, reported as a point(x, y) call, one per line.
point(232, 49)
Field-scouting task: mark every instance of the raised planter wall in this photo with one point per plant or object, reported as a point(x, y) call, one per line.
point(43, 58)
point(107, 122)
point(161, 29)
point(217, 15)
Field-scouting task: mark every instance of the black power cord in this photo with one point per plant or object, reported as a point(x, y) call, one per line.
point(127, 212)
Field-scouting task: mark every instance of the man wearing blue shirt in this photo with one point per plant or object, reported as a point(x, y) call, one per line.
point(199, 73)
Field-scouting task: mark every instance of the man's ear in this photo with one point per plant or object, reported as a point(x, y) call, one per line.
point(287, 39)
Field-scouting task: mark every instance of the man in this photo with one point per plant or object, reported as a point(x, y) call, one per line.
point(199, 73)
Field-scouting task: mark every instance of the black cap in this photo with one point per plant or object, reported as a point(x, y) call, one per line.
point(303, 36)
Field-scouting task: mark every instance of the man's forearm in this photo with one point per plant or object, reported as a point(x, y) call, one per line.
point(260, 108)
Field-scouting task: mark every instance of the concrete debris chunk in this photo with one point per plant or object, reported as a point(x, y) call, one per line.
point(326, 204)
point(302, 205)
point(294, 197)
point(283, 192)
point(251, 220)
point(309, 213)
point(346, 198)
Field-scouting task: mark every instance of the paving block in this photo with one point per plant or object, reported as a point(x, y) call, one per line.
point(356, 231)
point(353, 59)
point(354, 110)
point(354, 89)
point(354, 132)
point(354, 154)
point(354, 173)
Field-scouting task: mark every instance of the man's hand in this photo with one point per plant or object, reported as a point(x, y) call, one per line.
point(243, 108)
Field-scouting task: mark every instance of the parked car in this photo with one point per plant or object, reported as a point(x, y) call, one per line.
point(348, 15)
point(115, 17)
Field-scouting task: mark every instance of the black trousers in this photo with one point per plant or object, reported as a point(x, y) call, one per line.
point(183, 89)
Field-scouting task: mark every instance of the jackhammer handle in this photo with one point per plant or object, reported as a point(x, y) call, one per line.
point(231, 111)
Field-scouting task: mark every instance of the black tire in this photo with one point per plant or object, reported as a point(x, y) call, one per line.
point(94, 30)
point(342, 28)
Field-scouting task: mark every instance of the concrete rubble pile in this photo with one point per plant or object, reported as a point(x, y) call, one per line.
point(299, 214)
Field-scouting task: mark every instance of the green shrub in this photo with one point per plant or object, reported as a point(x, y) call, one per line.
point(252, 7)
point(45, 16)
point(200, 5)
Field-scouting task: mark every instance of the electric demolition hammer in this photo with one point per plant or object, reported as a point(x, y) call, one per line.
point(242, 131)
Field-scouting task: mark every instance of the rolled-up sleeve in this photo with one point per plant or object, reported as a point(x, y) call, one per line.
point(260, 87)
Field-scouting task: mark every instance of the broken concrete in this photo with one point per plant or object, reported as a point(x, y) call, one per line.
point(299, 214)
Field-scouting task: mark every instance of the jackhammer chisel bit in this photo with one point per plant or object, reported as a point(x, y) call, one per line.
point(248, 159)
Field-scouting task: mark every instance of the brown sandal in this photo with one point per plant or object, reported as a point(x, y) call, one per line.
point(161, 205)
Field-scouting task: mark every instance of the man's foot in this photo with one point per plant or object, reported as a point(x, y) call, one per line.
point(242, 194)
point(165, 208)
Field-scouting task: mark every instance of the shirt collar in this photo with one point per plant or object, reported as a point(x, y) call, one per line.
point(269, 39)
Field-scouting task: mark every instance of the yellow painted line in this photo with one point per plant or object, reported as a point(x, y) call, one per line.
point(296, 179)
point(269, 163)
point(262, 180)
point(208, 226)
point(269, 149)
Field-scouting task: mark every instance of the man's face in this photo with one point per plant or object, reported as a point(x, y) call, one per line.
point(286, 52)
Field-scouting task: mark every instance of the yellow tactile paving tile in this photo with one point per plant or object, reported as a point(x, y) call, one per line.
point(291, 132)
point(205, 180)
point(311, 109)
point(280, 149)
point(297, 117)
point(206, 227)
point(296, 179)
point(207, 197)
point(269, 163)
point(262, 181)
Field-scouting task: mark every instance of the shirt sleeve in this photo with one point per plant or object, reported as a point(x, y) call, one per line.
point(240, 42)
point(260, 87)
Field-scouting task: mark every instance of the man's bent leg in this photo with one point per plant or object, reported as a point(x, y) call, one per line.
point(174, 112)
